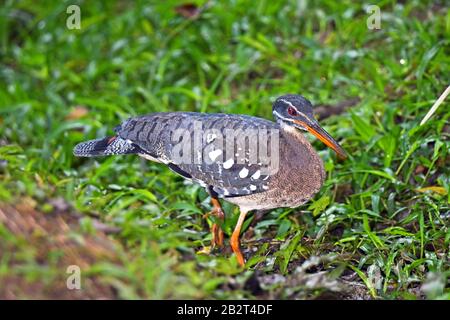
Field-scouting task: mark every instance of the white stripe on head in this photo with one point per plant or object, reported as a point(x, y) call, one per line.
point(291, 105)
point(287, 120)
point(280, 116)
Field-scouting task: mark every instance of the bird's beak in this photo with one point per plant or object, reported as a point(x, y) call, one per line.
point(314, 127)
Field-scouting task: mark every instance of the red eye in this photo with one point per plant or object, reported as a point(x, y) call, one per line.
point(292, 111)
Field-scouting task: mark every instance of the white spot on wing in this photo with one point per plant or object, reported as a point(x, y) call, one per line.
point(213, 155)
point(252, 187)
point(210, 137)
point(200, 182)
point(256, 175)
point(148, 157)
point(243, 173)
point(228, 164)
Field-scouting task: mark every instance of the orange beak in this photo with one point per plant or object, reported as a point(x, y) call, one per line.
point(323, 136)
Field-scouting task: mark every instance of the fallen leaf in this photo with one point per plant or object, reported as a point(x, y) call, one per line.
point(419, 169)
point(205, 250)
point(440, 190)
point(188, 10)
point(77, 113)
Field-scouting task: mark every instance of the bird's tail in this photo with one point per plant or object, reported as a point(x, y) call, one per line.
point(105, 147)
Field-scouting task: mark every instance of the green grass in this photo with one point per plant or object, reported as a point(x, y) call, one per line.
point(379, 226)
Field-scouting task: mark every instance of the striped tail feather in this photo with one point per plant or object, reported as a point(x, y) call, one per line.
point(105, 147)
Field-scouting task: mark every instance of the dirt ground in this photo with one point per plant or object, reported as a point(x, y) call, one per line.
point(50, 242)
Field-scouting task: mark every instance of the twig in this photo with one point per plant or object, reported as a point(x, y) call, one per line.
point(436, 105)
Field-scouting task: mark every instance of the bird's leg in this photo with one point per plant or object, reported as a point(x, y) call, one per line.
point(235, 239)
point(216, 230)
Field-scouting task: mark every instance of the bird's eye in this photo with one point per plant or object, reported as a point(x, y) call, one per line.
point(292, 111)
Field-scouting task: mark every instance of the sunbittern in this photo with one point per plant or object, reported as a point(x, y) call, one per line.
point(248, 161)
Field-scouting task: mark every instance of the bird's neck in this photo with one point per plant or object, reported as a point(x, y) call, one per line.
point(293, 136)
point(300, 154)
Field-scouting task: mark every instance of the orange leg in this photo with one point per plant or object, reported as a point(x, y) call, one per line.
point(217, 232)
point(235, 245)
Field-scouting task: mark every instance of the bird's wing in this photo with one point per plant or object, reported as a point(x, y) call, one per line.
point(234, 155)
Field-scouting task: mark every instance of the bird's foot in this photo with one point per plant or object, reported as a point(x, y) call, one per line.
point(235, 246)
point(216, 230)
point(217, 236)
point(234, 241)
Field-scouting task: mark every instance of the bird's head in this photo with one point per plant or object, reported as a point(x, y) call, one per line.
point(296, 111)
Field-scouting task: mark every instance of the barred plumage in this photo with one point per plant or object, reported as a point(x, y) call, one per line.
point(105, 147)
point(154, 137)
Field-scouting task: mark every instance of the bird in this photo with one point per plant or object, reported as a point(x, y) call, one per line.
point(251, 162)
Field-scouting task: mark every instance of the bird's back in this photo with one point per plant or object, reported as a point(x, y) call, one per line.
point(233, 155)
point(160, 130)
